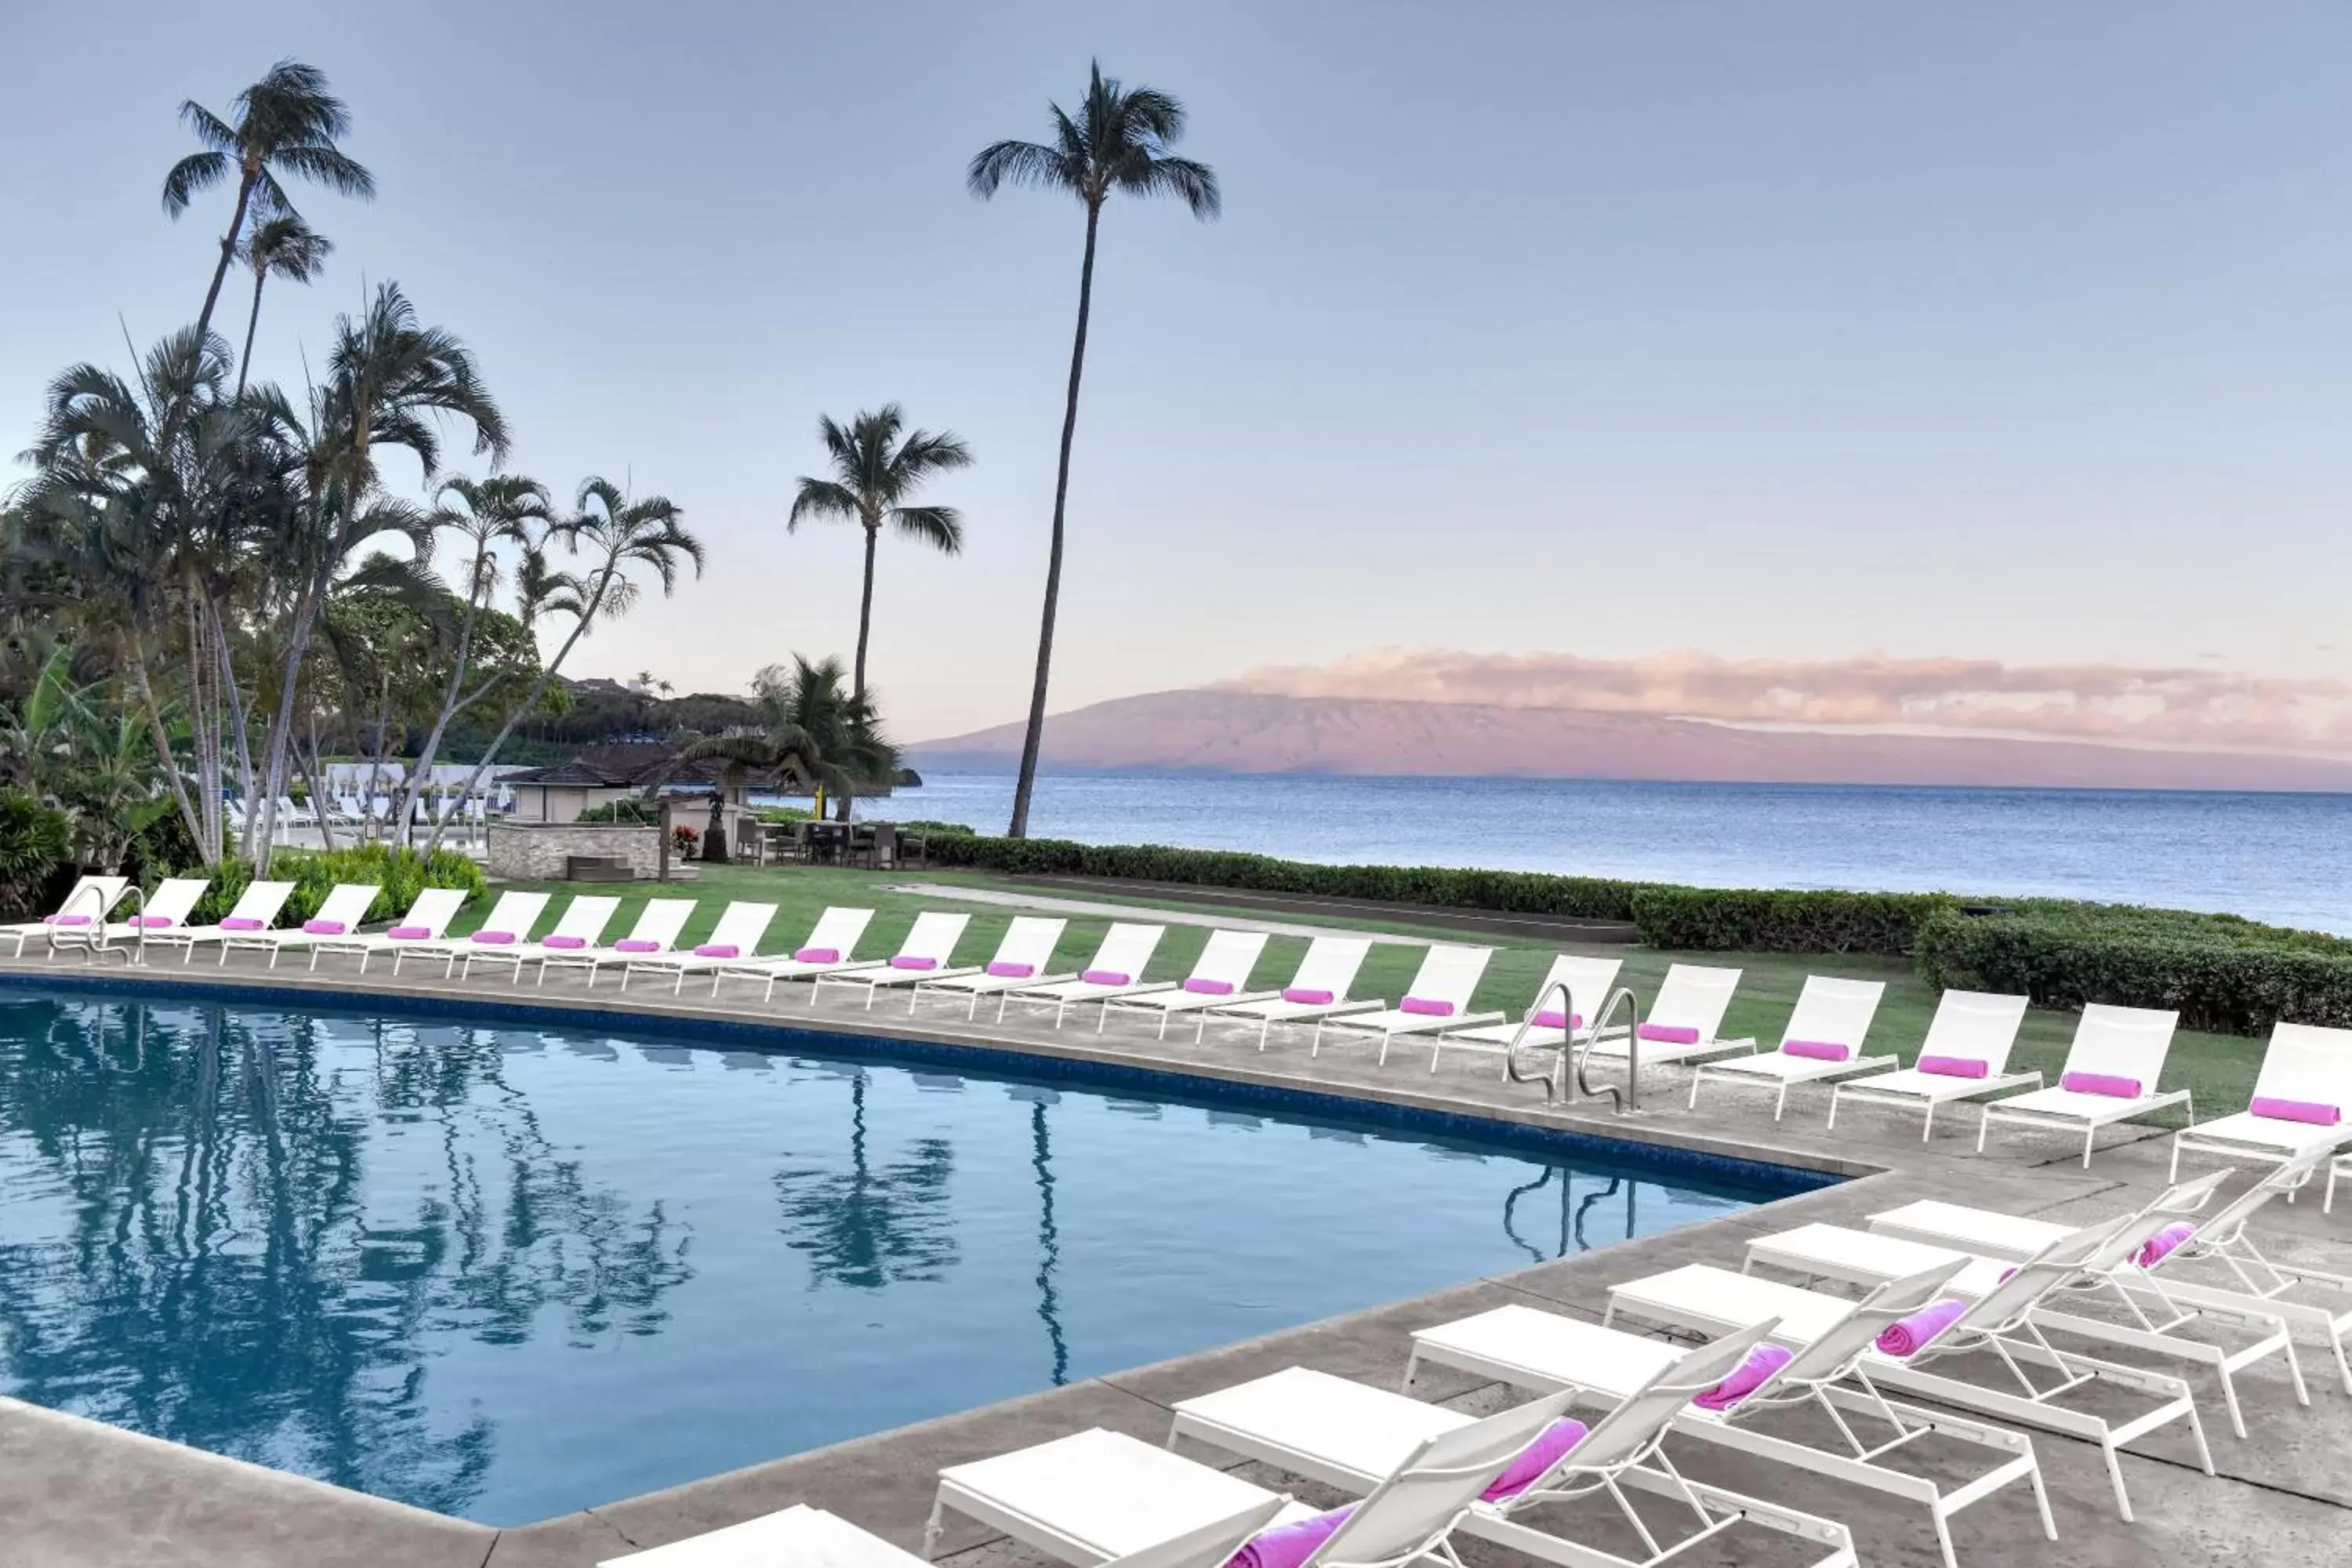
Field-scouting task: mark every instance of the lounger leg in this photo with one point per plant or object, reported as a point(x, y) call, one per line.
point(1927, 1123)
point(2116, 1477)
point(1385, 1038)
point(972, 1010)
point(677, 986)
point(2230, 1401)
point(2041, 1494)
point(1835, 1090)
point(2090, 1137)
point(1984, 1125)
point(1315, 1044)
point(1263, 1026)
point(1782, 1104)
point(2174, 1174)
point(932, 1530)
point(1698, 1076)
point(1943, 1537)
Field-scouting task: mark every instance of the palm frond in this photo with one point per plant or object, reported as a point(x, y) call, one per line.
point(1023, 164)
point(821, 499)
point(196, 172)
point(941, 527)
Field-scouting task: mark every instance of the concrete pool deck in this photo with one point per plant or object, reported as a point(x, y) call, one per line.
point(74, 1493)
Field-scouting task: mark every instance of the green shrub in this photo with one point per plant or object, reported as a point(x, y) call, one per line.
point(230, 879)
point(35, 856)
point(402, 874)
point(2220, 972)
point(780, 813)
point(628, 809)
point(1740, 919)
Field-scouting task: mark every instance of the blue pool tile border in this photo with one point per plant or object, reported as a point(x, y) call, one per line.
point(1764, 1179)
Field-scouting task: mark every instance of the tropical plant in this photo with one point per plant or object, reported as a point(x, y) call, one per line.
point(812, 729)
point(36, 846)
point(288, 122)
point(283, 246)
point(875, 472)
point(1118, 142)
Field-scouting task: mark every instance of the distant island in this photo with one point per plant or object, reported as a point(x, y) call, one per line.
point(1226, 731)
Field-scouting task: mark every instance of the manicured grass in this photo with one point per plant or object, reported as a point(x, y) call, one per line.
point(2219, 1068)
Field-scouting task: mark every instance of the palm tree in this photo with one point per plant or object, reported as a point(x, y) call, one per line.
point(1119, 142)
point(288, 122)
point(812, 729)
point(874, 474)
point(291, 250)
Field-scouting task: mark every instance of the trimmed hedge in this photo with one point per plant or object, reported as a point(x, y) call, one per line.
point(1741, 920)
point(2223, 974)
point(402, 874)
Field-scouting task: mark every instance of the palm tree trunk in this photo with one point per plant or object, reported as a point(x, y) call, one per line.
point(1036, 736)
point(449, 704)
point(261, 829)
point(229, 252)
point(866, 607)
point(531, 698)
point(252, 324)
point(163, 743)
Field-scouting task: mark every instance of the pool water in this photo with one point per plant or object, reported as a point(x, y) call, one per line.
point(506, 1270)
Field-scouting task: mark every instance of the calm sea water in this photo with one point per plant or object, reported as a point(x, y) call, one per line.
point(509, 1272)
point(2281, 858)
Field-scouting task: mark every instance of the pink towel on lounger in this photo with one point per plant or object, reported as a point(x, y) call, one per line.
point(908, 961)
point(1426, 1006)
point(65, 919)
point(2111, 1086)
point(1953, 1067)
point(154, 922)
point(1305, 998)
point(493, 938)
point(1209, 987)
point(1909, 1335)
point(410, 934)
point(239, 922)
point(2160, 1246)
point(1553, 1018)
point(1819, 1050)
point(1288, 1545)
point(717, 949)
point(324, 928)
point(566, 943)
point(2310, 1111)
point(1669, 1034)
point(1107, 977)
point(1746, 1378)
point(635, 944)
point(816, 955)
point(1005, 971)
point(1552, 1445)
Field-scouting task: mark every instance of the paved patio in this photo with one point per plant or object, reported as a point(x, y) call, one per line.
point(73, 1493)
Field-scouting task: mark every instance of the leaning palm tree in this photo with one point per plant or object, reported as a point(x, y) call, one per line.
point(810, 728)
point(283, 246)
point(874, 473)
point(288, 122)
point(1119, 142)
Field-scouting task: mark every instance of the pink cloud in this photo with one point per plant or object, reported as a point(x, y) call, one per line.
point(2201, 709)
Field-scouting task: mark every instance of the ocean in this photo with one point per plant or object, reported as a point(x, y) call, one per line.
point(2286, 858)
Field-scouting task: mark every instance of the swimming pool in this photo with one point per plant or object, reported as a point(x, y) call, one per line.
point(510, 1267)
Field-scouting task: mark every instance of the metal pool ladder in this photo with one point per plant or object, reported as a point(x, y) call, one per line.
point(1567, 1076)
point(100, 944)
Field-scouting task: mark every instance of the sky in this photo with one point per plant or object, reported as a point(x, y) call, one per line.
point(1797, 331)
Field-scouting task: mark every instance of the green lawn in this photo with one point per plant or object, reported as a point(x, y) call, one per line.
point(2219, 1068)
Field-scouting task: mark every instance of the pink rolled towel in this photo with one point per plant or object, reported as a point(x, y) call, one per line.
point(1288, 1545)
point(908, 961)
point(1746, 1378)
point(1909, 1335)
point(325, 928)
point(2310, 1111)
point(635, 944)
point(1553, 1018)
point(240, 922)
point(1551, 1445)
point(493, 938)
point(410, 934)
point(2160, 1246)
point(816, 955)
point(719, 950)
point(1953, 1067)
point(65, 919)
point(566, 943)
point(1210, 987)
point(1669, 1034)
point(1005, 971)
point(1820, 1050)
point(1107, 977)
point(2109, 1085)
point(1426, 1006)
point(1305, 998)
point(154, 922)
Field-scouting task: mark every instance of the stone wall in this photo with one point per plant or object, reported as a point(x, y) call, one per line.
point(535, 852)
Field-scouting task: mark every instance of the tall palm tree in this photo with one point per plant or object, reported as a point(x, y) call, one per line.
point(1119, 142)
point(288, 247)
point(875, 472)
point(288, 122)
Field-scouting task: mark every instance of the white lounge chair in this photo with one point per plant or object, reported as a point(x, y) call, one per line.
point(574, 934)
point(805, 1537)
point(1219, 978)
point(1965, 1056)
point(1096, 1495)
point(1708, 1299)
point(427, 921)
point(2302, 1097)
point(737, 936)
point(1348, 1435)
point(1022, 959)
point(86, 903)
point(830, 945)
point(2110, 1076)
point(930, 945)
point(1319, 990)
point(1438, 997)
point(1826, 1377)
point(1685, 1020)
point(1549, 1022)
point(1824, 1041)
point(256, 910)
point(1117, 970)
point(654, 933)
point(174, 899)
point(507, 925)
point(339, 913)
point(2235, 1273)
point(2148, 1318)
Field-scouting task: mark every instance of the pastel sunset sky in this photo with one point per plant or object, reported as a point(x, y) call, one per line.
point(1786, 332)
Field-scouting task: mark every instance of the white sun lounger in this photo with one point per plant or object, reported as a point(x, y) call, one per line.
point(340, 912)
point(2151, 1318)
point(1830, 1015)
point(1589, 982)
point(1438, 998)
point(1328, 970)
point(805, 1537)
point(736, 937)
point(1117, 970)
point(2306, 1068)
point(575, 932)
point(1965, 1056)
point(174, 899)
point(930, 942)
point(1097, 1495)
point(1348, 1435)
point(2220, 1244)
point(2110, 1076)
point(1022, 959)
point(506, 927)
point(257, 908)
point(1686, 1018)
point(428, 918)
point(1708, 1298)
point(1537, 1350)
point(87, 903)
point(1219, 978)
point(654, 933)
point(831, 942)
